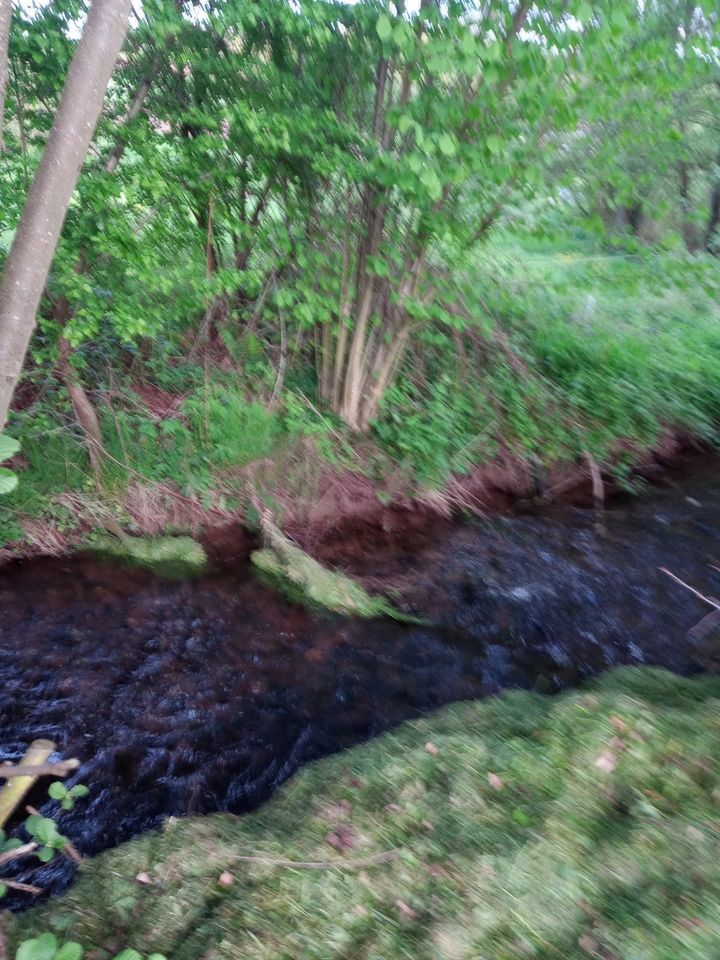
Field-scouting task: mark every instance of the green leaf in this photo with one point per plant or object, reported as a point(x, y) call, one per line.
point(8, 480)
point(9, 446)
point(467, 44)
point(383, 26)
point(399, 35)
point(70, 951)
point(41, 948)
point(57, 790)
point(494, 143)
point(431, 181)
point(43, 829)
point(584, 12)
point(447, 145)
point(405, 122)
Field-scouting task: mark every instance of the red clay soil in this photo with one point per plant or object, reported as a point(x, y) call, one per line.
point(350, 519)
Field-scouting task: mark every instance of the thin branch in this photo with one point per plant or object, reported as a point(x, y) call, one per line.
point(701, 596)
point(357, 864)
point(24, 851)
point(22, 887)
point(61, 769)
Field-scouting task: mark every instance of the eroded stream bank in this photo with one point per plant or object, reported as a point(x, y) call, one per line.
point(207, 694)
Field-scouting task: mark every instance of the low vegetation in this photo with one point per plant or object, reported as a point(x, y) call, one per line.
point(327, 237)
point(558, 828)
point(567, 352)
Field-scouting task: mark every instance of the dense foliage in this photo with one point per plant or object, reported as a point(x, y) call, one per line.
point(461, 229)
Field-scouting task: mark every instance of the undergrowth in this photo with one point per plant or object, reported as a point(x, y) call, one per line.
point(554, 354)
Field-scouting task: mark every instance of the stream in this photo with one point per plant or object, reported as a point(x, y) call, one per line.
point(207, 694)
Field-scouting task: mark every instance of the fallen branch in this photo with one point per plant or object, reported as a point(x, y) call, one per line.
point(60, 769)
point(22, 887)
point(701, 596)
point(357, 864)
point(23, 851)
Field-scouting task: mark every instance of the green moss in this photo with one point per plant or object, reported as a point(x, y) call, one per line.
point(524, 827)
point(171, 557)
point(307, 581)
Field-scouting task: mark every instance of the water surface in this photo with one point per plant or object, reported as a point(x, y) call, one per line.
point(207, 694)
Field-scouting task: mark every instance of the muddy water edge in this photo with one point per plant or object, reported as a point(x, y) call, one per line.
point(207, 694)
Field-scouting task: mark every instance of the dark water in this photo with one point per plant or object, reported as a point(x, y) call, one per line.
point(204, 695)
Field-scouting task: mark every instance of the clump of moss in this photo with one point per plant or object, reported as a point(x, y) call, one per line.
point(305, 580)
point(567, 828)
point(172, 557)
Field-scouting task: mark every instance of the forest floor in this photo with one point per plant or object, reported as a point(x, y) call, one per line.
point(574, 827)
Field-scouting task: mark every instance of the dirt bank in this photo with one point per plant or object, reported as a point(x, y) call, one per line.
point(343, 514)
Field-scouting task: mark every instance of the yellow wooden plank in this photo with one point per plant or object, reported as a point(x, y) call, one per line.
point(14, 790)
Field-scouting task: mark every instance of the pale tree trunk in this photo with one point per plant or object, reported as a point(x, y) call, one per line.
point(33, 248)
point(5, 14)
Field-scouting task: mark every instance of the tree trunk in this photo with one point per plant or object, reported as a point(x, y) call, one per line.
point(133, 112)
point(688, 227)
point(711, 245)
point(33, 248)
point(83, 409)
point(5, 14)
point(630, 217)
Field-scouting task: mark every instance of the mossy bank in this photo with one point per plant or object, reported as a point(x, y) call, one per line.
point(586, 825)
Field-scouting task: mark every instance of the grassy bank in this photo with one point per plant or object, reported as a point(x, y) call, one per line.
point(586, 825)
point(558, 352)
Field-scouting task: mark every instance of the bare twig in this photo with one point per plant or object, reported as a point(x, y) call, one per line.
point(22, 851)
point(22, 887)
point(72, 852)
point(701, 596)
point(60, 769)
point(598, 486)
point(356, 864)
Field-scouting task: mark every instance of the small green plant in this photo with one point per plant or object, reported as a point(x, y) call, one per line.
point(46, 947)
point(8, 448)
point(67, 798)
point(45, 833)
point(43, 830)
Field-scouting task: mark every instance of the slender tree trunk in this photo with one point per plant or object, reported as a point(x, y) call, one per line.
point(33, 248)
point(82, 408)
point(688, 228)
point(133, 112)
point(713, 223)
point(5, 15)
